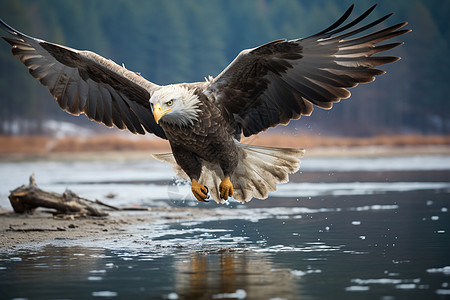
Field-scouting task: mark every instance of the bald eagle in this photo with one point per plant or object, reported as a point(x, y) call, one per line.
point(204, 121)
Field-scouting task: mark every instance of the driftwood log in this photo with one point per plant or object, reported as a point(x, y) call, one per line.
point(27, 198)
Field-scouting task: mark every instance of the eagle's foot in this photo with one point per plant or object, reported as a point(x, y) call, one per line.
point(199, 190)
point(226, 189)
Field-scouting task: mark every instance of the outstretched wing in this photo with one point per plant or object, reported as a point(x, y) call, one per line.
point(283, 80)
point(84, 82)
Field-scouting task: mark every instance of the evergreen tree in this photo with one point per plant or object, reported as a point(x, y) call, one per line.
point(185, 40)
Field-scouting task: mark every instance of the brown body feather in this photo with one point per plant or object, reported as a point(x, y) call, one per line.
point(209, 138)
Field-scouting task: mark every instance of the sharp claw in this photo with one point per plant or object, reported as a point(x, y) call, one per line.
point(208, 196)
point(200, 191)
point(201, 197)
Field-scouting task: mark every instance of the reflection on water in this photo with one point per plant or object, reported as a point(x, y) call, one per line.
point(233, 274)
point(368, 233)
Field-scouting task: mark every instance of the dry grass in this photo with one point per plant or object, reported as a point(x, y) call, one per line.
point(112, 143)
point(310, 141)
point(101, 143)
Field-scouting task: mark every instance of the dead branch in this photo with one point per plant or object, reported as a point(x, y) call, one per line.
point(35, 229)
point(28, 197)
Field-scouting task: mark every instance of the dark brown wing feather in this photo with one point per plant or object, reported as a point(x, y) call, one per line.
point(84, 82)
point(283, 80)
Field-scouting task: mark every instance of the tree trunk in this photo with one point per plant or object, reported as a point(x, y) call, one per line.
point(28, 197)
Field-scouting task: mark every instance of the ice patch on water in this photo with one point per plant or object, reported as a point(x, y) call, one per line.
point(239, 294)
point(173, 296)
point(306, 189)
point(300, 273)
point(95, 278)
point(104, 294)
point(374, 207)
point(308, 248)
point(445, 270)
point(97, 271)
point(404, 163)
point(404, 284)
point(357, 288)
point(377, 281)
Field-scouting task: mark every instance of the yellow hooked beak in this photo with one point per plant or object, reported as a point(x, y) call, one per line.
point(158, 112)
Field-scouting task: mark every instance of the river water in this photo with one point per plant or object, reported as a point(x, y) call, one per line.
point(343, 228)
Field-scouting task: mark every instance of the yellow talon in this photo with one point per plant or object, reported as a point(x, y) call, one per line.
point(199, 190)
point(226, 188)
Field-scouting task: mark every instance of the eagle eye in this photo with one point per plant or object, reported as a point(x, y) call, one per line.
point(170, 102)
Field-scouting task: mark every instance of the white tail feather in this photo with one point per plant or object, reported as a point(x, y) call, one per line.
point(258, 172)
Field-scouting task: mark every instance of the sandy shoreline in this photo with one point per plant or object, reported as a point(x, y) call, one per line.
point(20, 229)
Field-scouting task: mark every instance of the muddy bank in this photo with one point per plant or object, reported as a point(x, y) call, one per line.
point(19, 229)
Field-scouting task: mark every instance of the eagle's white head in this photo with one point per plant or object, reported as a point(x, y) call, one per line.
point(175, 104)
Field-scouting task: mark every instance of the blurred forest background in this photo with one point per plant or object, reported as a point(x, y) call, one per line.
point(183, 41)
